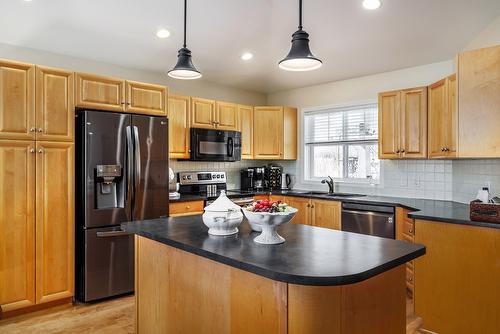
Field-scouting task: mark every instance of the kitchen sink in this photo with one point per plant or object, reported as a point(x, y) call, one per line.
point(322, 193)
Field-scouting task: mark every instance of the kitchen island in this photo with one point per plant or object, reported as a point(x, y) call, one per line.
point(318, 281)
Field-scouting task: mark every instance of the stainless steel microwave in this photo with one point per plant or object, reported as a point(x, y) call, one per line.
point(215, 145)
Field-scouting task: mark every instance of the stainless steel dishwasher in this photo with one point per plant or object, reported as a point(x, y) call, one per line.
point(377, 220)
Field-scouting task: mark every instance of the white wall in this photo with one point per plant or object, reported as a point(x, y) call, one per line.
point(425, 179)
point(200, 88)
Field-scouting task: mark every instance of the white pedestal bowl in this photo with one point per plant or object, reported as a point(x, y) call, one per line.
point(268, 223)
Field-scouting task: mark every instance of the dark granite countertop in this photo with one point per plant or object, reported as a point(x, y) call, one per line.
point(310, 255)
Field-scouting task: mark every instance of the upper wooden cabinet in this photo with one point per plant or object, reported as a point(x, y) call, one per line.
point(55, 108)
point(99, 92)
point(443, 120)
point(146, 98)
point(202, 113)
point(54, 221)
point(17, 224)
point(246, 128)
point(403, 124)
point(226, 116)
point(17, 100)
point(275, 133)
point(179, 115)
point(478, 103)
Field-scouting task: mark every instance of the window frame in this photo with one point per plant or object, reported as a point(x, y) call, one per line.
point(308, 153)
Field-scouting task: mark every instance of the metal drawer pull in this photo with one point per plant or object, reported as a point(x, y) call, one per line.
point(112, 234)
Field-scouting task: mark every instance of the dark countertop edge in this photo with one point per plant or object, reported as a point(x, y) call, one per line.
point(191, 198)
point(284, 277)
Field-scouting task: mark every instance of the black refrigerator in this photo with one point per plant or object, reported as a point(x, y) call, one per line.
point(121, 175)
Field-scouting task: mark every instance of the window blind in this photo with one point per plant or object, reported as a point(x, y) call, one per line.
point(338, 125)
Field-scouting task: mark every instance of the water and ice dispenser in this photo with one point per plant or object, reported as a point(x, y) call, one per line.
point(110, 186)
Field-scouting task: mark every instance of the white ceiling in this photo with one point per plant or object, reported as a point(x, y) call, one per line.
point(351, 41)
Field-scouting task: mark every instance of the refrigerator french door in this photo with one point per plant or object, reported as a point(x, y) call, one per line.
point(122, 175)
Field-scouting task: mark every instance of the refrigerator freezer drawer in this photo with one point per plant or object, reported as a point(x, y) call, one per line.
point(109, 262)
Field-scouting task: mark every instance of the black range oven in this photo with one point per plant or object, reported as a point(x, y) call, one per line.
point(215, 145)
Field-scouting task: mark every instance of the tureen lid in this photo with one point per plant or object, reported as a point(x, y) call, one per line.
point(222, 203)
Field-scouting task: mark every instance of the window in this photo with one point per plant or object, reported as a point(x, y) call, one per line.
point(342, 143)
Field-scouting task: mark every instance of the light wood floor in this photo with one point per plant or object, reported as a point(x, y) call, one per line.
point(114, 317)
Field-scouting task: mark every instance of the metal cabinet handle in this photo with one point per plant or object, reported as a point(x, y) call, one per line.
point(32, 150)
point(403, 150)
point(397, 151)
point(32, 129)
point(40, 130)
point(40, 151)
point(312, 206)
point(308, 205)
point(410, 230)
point(188, 207)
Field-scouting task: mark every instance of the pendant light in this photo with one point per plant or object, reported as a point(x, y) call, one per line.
point(300, 57)
point(184, 69)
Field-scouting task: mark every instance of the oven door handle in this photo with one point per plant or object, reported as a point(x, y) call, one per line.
point(112, 234)
point(389, 216)
point(230, 146)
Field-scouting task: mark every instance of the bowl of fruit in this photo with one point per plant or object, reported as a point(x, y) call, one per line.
point(265, 216)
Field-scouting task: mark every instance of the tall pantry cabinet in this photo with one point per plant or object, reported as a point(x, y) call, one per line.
point(36, 185)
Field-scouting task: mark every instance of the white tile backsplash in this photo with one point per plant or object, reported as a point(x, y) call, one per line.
point(456, 180)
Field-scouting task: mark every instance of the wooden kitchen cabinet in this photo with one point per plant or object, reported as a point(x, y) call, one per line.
point(478, 101)
point(443, 120)
point(148, 99)
point(178, 209)
point(275, 133)
point(54, 221)
point(17, 224)
point(325, 213)
point(403, 124)
point(17, 100)
point(202, 113)
point(179, 122)
point(456, 281)
point(246, 127)
point(55, 107)
point(226, 116)
point(99, 92)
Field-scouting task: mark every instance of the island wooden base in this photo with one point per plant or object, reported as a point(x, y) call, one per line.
point(179, 292)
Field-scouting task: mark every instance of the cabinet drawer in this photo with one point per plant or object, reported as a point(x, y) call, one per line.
point(185, 208)
point(409, 228)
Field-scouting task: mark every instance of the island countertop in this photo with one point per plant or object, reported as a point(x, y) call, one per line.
point(310, 255)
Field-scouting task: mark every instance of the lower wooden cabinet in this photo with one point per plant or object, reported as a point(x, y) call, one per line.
point(54, 221)
point(457, 286)
point(315, 212)
point(178, 209)
point(36, 226)
point(17, 224)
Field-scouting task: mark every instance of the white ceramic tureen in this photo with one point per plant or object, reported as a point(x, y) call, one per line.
point(222, 217)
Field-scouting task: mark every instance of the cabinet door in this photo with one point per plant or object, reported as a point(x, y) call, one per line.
point(451, 117)
point(478, 101)
point(146, 99)
point(388, 124)
point(438, 105)
point(303, 216)
point(54, 221)
point(97, 92)
point(289, 133)
point(55, 108)
point(17, 97)
point(202, 113)
point(17, 224)
point(268, 132)
point(227, 116)
point(413, 123)
point(326, 214)
point(179, 115)
point(246, 128)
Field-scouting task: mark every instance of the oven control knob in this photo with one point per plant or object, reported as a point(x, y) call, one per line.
point(189, 177)
point(184, 178)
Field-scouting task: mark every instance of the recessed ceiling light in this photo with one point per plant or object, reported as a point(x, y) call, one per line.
point(246, 56)
point(371, 4)
point(162, 33)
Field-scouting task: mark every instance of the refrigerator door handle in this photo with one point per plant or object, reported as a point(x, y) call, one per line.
point(130, 167)
point(112, 234)
point(137, 158)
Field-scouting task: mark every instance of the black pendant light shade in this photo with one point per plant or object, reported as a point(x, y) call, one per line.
point(184, 69)
point(300, 57)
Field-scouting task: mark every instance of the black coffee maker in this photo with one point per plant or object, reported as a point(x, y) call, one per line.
point(253, 178)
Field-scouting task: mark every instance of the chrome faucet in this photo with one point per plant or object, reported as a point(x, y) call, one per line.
point(332, 185)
